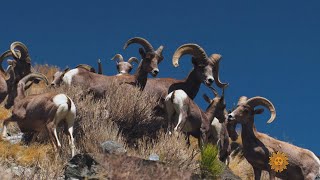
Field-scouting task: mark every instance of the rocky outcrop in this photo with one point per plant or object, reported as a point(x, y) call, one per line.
point(107, 166)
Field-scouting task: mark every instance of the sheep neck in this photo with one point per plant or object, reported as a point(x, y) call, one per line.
point(211, 112)
point(140, 77)
point(192, 84)
point(248, 134)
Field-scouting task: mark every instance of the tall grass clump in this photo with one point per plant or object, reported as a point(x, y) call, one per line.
point(210, 165)
point(171, 149)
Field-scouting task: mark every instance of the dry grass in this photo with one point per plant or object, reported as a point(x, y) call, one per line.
point(125, 115)
point(27, 156)
point(171, 149)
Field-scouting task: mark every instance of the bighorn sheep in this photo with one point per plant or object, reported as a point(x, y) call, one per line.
point(20, 67)
point(35, 113)
point(258, 147)
point(73, 76)
point(206, 70)
point(190, 119)
point(124, 67)
point(97, 83)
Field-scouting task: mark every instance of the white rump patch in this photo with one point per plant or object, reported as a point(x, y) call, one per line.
point(67, 78)
point(179, 97)
point(217, 126)
point(60, 99)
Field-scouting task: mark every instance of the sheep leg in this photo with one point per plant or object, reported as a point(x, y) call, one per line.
point(50, 132)
point(169, 112)
point(200, 142)
point(272, 175)
point(257, 173)
point(71, 140)
point(70, 121)
point(182, 120)
point(188, 139)
point(54, 129)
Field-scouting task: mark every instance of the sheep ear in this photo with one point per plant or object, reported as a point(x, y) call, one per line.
point(66, 70)
point(142, 52)
point(258, 111)
point(206, 98)
point(12, 62)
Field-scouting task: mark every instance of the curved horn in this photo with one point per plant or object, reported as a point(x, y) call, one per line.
point(118, 56)
point(215, 58)
point(33, 76)
point(242, 100)
point(215, 92)
point(159, 50)
point(24, 54)
point(193, 49)
point(2, 57)
point(256, 101)
point(86, 67)
point(133, 59)
point(143, 42)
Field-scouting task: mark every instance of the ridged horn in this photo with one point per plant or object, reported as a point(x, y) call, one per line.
point(133, 59)
point(118, 56)
point(24, 54)
point(143, 42)
point(34, 76)
point(86, 67)
point(242, 100)
point(257, 101)
point(215, 58)
point(2, 58)
point(215, 92)
point(192, 49)
point(159, 50)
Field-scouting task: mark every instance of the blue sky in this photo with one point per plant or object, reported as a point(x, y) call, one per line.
point(270, 48)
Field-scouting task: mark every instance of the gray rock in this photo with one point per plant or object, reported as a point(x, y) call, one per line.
point(20, 171)
point(112, 166)
point(113, 147)
point(81, 166)
point(154, 157)
point(15, 138)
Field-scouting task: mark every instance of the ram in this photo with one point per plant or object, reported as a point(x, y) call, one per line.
point(124, 67)
point(191, 120)
point(42, 112)
point(97, 84)
point(76, 76)
point(258, 147)
point(19, 67)
point(205, 70)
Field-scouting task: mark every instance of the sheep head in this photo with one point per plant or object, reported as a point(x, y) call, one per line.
point(122, 66)
point(245, 111)
point(58, 77)
point(217, 105)
point(206, 68)
point(150, 57)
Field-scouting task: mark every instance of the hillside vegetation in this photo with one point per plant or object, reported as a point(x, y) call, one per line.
point(125, 116)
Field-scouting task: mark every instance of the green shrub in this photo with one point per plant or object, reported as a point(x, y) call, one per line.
point(210, 165)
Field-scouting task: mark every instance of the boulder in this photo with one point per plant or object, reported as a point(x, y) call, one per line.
point(113, 147)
